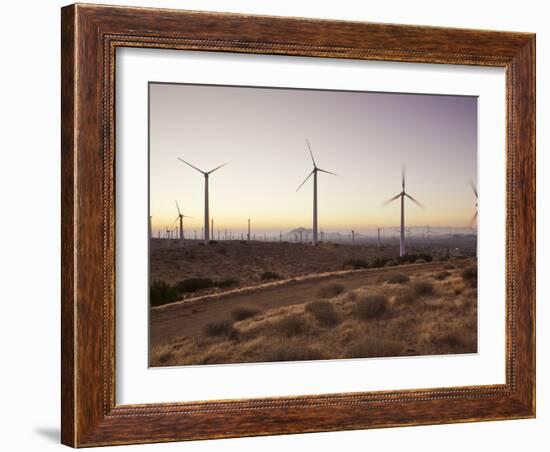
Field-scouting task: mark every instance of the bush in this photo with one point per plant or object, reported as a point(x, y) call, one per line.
point(290, 326)
point(212, 242)
point(269, 275)
point(412, 258)
point(390, 263)
point(470, 276)
point(194, 284)
point(378, 262)
point(323, 311)
point(371, 306)
point(228, 282)
point(423, 288)
point(162, 293)
point(442, 275)
point(293, 352)
point(398, 278)
point(420, 261)
point(221, 328)
point(244, 313)
point(330, 290)
point(371, 347)
point(222, 251)
point(405, 297)
point(356, 264)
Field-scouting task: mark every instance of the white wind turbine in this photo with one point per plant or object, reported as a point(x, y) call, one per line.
point(206, 209)
point(474, 218)
point(402, 195)
point(180, 217)
point(314, 172)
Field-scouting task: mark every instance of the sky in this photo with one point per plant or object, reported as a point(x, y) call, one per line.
point(366, 138)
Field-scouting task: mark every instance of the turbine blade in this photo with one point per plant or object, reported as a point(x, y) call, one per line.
point(385, 203)
point(309, 175)
point(179, 212)
point(419, 204)
point(403, 171)
point(328, 172)
point(473, 220)
point(474, 189)
point(311, 154)
point(192, 166)
point(217, 168)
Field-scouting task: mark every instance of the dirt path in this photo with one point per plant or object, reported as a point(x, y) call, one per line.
point(189, 319)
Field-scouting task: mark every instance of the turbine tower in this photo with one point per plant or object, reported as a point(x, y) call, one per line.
point(402, 195)
point(314, 172)
point(180, 217)
point(206, 208)
point(474, 218)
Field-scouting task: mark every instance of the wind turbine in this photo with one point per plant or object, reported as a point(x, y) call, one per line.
point(180, 217)
point(474, 218)
point(206, 210)
point(402, 195)
point(314, 172)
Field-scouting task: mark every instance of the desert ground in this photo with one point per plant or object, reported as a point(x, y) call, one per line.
point(237, 302)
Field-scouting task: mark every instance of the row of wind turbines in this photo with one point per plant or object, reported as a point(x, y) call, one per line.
point(208, 226)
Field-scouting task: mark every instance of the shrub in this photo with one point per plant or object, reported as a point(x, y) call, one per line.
point(290, 326)
point(323, 311)
point(221, 328)
point(212, 242)
point(390, 263)
point(420, 261)
point(442, 275)
point(293, 352)
point(356, 264)
point(228, 282)
point(371, 306)
point(244, 313)
point(162, 293)
point(405, 297)
point(371, 347)
point(378, 262)
point(330, 290)
point(410, 258)
point(222, 251)
point(269, 275)
point(470, 276)
point(194, 284)
point(398, 278)
point(423, 288)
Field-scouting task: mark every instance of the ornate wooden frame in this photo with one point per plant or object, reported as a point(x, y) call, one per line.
point(90, 35)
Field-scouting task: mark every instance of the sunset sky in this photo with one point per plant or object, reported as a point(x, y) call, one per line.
point(363, 137)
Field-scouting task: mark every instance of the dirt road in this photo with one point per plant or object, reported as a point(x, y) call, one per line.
point(189, 319)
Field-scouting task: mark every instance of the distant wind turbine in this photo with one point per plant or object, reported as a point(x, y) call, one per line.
point(402, 195)
point(180, 217)
point(474, 218)
point(314, 172)
point(206, 208)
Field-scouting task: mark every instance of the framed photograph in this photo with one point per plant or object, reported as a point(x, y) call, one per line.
point(281, 225)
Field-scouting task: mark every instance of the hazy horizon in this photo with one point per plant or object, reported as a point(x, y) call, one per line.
point(363, 137)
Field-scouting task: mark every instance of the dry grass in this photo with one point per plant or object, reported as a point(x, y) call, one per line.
point(427, 316)
point(398, 278)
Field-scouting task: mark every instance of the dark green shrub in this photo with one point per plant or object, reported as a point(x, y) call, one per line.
point(379, 262)
point(398, 278)
point(371, 306)
point(244, 313)
point(221, 328)
point(290, 326)
point(323, 311)
point(228, 282)
point(330, 290)
point(269, 275)
point(470, 276)
point(423, 288)
point(162, 293)
point(194, 284)
point(356, 264)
